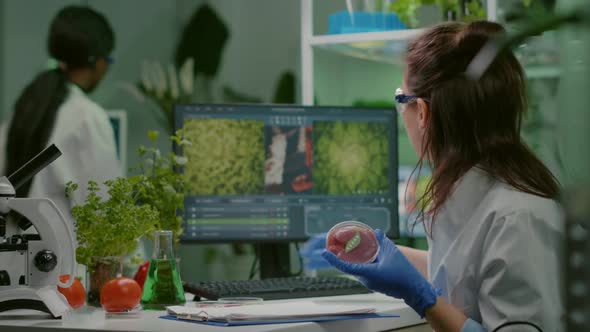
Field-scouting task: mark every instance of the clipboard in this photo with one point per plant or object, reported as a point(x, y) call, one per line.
point(282, 321)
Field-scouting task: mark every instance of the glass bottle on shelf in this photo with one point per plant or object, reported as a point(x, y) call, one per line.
point(162, 286)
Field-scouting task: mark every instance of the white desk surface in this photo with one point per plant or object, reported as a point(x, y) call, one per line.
point(148, 321)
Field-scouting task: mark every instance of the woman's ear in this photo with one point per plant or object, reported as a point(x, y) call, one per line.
point(423, 113)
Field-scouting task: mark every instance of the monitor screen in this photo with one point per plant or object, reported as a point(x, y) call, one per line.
point(283, 173)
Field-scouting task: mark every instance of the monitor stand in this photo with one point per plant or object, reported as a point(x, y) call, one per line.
point(275, 260)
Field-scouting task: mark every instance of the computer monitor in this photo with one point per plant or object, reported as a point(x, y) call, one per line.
point(268, 173)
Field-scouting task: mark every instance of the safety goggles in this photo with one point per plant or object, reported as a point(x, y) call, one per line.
point(109, 59)
point(401, 99)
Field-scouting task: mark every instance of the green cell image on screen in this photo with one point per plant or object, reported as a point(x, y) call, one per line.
point(226, 157)
point(351, 158)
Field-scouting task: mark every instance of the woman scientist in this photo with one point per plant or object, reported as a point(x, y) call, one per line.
point(494, 225)
point(54, 108)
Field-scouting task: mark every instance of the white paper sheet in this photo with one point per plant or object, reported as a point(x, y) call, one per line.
point(268, 311)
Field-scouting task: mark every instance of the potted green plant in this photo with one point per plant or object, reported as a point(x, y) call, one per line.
point(465, 10)
point(108, 227)
point(461, 10)
point(163, 186)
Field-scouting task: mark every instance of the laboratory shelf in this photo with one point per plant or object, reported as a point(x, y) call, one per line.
point(388, 46)
point(383, 46)
point(542, 71)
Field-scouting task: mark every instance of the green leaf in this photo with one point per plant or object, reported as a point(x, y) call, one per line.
point(353, 242)
point(70, 189)
point(175, 139)
point(153, 135)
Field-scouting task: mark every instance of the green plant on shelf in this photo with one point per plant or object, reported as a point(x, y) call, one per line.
point(464, 10)
point(473, 11)
point(406, 10)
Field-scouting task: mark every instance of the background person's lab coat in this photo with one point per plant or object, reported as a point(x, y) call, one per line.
point(83, 133)
point(495, 254)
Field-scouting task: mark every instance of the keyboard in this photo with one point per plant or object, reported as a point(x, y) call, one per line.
point(276, 288)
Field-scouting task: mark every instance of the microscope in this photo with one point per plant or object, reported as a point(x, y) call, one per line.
point(31, 263)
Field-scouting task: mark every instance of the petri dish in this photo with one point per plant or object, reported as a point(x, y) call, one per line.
point(353, 241)
point(131, 313)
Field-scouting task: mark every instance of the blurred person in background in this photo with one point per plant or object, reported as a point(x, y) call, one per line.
point(55, 109)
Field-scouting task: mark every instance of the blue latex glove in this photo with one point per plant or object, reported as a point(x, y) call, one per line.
point(391, 274)
point(315, 243)
point(311, 253)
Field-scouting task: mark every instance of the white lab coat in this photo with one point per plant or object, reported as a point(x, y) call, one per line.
point(495, 254)
point(83, 133)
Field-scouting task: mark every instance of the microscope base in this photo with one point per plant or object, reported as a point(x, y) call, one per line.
point(46, 299)
point(25, 304)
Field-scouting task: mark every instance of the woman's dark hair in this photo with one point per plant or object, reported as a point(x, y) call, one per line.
point(78, 36)
point(472, 123)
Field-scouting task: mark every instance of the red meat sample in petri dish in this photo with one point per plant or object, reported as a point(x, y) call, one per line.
point(353, 241)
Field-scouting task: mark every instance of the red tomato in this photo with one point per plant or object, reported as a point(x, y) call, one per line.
point(75, 294)
point(120, 294)
point(141, 273)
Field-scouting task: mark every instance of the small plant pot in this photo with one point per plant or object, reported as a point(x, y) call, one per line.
point(102, 271)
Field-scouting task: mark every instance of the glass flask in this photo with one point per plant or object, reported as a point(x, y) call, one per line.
point(162, 286)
